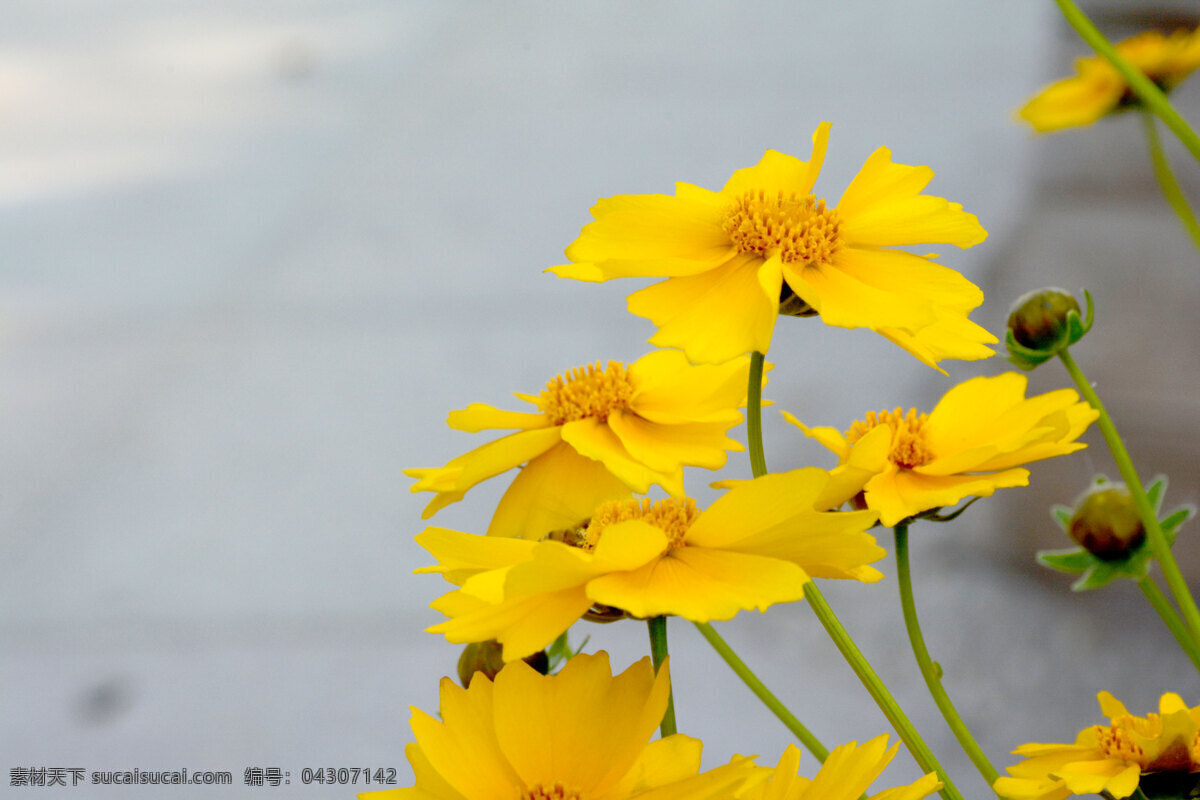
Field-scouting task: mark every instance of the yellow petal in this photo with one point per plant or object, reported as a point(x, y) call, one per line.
point(846, 302)
point(466, 736)
point(758, 505)
point(951, 336)
point(850, 769)
point(701, 585)
point(480, 416)
point(717, 315)
point(831, 438)
point(557, 490)
point(661, 762)
point(777, 172)
point(524, 624)
point(669, 390)
point(1075, 101)
point(911, 279)
point(665, 448)
point(594, 439)
point(902, 493)
point(1092, 777)
point(461, 555)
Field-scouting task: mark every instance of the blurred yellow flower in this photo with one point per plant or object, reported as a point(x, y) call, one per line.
point(579, 735)
point(846, 774)
point(598, 433)
point(757, 545)
point(1097, 89)
point(968, 446)
point(1109, 759)
point(765, 244)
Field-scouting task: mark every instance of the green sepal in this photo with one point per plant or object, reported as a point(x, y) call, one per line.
point(1098, 575)
point(1071, 561)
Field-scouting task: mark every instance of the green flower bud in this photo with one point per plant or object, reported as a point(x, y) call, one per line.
point(1105, 522)
point(1042, 323)
point(487, 658)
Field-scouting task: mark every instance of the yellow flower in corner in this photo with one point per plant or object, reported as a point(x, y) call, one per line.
point(765, 244)
point(845, 775)
point(1097, 89)
point(970, 444)
point(757, 545)
point(598, 433)
point(1110, 759)
point(579, 735)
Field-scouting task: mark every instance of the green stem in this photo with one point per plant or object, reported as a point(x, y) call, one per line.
point(883, 698)
point(1166, 180)
point(929, 670)
point(1165, 610)
point(658, 654)
point(1153, 97)
point(772, 702)
point(1154, 534)
point(758, 460)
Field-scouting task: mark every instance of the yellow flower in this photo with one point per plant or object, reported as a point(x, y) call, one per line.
point(765, 244)
point(968, 446)
point(757, 545)
point(1109, 758)
point(1097, 89)
point(579, 735)
point(597, 434)
point(845, 775)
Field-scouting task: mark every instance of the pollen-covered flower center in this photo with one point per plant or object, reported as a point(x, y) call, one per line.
point(585, 392)
point(672, 516)
point(797, 229)
point(909, 446)
point(1122, 741)
point(555, 791)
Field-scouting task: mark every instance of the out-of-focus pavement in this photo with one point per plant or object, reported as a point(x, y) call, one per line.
point(251, 255)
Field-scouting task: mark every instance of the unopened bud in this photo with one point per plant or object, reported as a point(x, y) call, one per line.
point(1105, 522)
point(487, 658)
point(1042, 323)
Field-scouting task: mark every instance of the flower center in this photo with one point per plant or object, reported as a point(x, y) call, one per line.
point(554, 792)
point(672, 516)
point(909, 448)
point(587, 392)
point(797, 229)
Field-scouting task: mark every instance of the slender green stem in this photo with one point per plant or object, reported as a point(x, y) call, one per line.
point(1165, 610)
point(658, 654)
point(883, 698)
point(772, 702)
point(1153, 97)
point(758, 460)
point(929, 670)
point(1166, 180)
point(1154, 534)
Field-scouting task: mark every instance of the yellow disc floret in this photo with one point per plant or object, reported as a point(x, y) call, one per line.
point(590, 391)
point(673, 516)
point(909, 446)
point(556, 791)
point(800, 230)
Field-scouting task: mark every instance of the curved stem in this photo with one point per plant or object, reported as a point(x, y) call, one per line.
point(758, 460)
point(1153, 97)
point(772, 702)
point(658, 654)
point(929, 670)
point(1166, 180)
point(1154, 534)
point(1167, 612)
point(883, 698)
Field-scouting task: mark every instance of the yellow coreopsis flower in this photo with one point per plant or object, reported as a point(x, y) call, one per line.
point(846, 774)
point(597, 434)
point(764, 244)
point(968, 446)
point(1097, 89)
point(579, 735)
point(757, 545)
point(1109, 759)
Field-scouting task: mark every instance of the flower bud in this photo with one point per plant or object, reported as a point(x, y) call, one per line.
point(1042, 323)
point(487, 658)
point(1105, 522)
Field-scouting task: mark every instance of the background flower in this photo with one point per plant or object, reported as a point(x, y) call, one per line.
point(597, 434)
point(968, 446)
point(579, 735)
point(846, 775)
point(764, 243)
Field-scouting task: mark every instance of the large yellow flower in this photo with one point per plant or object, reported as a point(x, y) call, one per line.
point(757, 545)
point(579, 735)
point(1109, 758)
point(597, 433)
point(846, 774)
point(968, 446)
point(736, 258)
point(1097, 89)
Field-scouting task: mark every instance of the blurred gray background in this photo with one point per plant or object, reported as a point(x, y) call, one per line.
point(253, 253)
